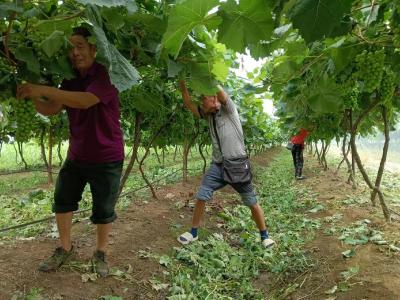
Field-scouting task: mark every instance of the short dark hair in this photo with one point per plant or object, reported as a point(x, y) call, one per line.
point(81, 30)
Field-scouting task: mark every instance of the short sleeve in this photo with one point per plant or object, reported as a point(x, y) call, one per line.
point(229, 106)
point(65, 85)
point(101, 86)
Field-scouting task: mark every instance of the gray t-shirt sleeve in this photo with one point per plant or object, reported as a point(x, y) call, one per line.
point(229, 106)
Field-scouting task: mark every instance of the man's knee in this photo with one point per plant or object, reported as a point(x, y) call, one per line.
point(204, 193)
point(249, 199)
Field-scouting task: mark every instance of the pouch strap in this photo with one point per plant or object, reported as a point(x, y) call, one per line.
point(216, 134)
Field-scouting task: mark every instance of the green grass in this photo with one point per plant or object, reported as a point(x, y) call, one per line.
point(390, 184)
point(10, 160)
point(25, 197)
point(19, 183)
point(225, 266)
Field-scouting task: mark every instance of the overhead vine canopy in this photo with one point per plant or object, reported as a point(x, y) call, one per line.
point(147, 46)
point(331, 66)
point(323, 56)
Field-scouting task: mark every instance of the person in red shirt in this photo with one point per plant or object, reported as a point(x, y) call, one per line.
point(297, 152)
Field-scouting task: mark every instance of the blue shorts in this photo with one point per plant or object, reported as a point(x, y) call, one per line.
point(213, 180)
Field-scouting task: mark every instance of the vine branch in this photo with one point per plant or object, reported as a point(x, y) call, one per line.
point(7, 35)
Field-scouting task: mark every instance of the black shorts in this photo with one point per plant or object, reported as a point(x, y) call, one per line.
point(103, 178)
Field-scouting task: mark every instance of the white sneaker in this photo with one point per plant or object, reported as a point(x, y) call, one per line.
point(187, 238)
point(268, 243)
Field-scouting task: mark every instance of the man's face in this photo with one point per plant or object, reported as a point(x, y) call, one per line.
point(211, 104)
point(82, 54)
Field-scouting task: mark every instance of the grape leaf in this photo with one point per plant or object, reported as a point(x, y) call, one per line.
point(326, 97)
point(262, 50)
point(212, 22)
point(316, 19)
point(246, 23)
point(202, 80)
point(342, 56)
point(7, 7)
point(174, 68)
point(284, 68)
point(149, 22)
point(278, 40)
point(129, 4)
point(31, 13)
point(26, 54)
point(48, 26)
point(122, 74)
point(220, 70)
point(108, 3)
point(113, 17)
point(54, 43)
point(62, 66)
point(111, 298)
point(348, 253)
point(146, 102)
point(184, 17)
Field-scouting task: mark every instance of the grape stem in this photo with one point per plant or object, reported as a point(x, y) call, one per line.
point(315, 60)
point(6, 36)
point(361, 117)
point(78, 14)
point(372, 9)
point(361, 8)
point(360, 36)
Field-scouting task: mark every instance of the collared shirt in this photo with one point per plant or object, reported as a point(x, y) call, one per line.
point(299, 138)
point(95, 133)
point(229, 131)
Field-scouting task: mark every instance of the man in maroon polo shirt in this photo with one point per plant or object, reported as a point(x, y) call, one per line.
point(95, 153)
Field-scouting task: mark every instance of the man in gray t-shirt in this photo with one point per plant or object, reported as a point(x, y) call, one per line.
point(229, 129)
point(227, 140)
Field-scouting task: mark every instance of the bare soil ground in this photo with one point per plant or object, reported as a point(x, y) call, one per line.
point(152, 225)
point(379, 268)
point(148, 226)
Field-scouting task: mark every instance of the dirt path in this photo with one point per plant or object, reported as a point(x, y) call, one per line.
point(144, 226)
point(150, 227)
point(379, 268)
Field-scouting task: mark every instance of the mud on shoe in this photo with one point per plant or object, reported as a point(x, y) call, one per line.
point(59, 257)
point(99, 264)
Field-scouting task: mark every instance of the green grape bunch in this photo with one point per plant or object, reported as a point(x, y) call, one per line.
point(37, 38)
point(24, 116)
point(370, 67)
point(394, 23)
point(59, 125)
point(388, 86)
point(351, 98)
point(5, 67)
point(125, 99)
point(350, 93)
point(396, 35)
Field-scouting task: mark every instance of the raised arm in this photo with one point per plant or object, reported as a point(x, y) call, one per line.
point(57, 97)
point(222, 95)
point(186, 99)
